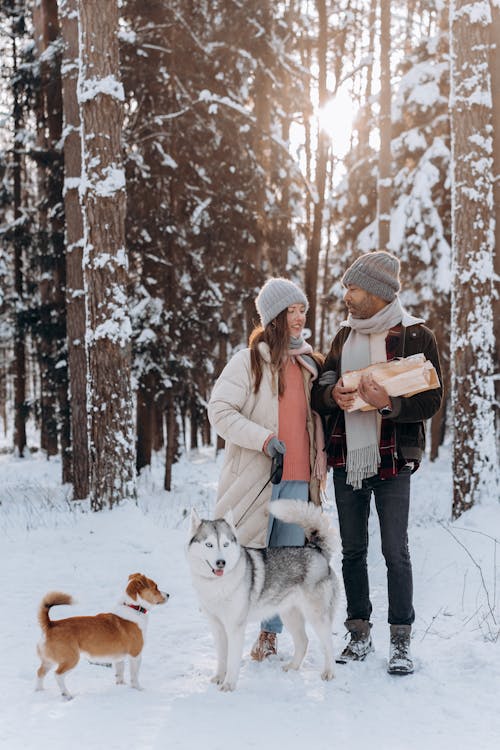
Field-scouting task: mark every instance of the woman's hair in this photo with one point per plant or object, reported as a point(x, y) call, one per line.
point(277, 336)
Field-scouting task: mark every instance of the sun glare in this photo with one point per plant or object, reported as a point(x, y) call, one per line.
point(336, 119)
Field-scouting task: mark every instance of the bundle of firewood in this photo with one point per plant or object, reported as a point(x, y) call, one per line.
point(400, 377)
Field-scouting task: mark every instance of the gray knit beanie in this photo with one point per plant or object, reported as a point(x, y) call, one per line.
point(275, 296)
point(377, 273)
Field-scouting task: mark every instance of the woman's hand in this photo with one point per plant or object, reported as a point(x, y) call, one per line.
point(275, 446)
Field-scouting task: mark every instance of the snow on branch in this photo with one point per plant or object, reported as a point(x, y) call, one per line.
point(89, 88)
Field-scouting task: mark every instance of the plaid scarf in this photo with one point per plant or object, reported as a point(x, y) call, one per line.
point(337, 444)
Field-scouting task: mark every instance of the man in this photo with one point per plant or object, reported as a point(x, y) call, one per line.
point(375, 451)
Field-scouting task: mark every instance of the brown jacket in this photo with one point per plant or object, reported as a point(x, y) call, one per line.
point(409, 413)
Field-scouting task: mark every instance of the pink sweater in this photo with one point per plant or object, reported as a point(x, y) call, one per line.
point(292, 428)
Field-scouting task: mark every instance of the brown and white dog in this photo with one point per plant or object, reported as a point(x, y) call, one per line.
point(109, 637)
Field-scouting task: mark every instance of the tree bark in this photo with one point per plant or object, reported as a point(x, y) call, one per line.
point(20, 408)
point(145, 421)
point(384, 165)
point(312, 261)
point(51, 322)
point(495, 93)
point(112, 448)
point(55, 182)
point(474, 447)
point(263, 100)
point(75, 294)
point(172, 440)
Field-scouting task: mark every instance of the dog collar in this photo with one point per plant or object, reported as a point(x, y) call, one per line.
point(137, 607)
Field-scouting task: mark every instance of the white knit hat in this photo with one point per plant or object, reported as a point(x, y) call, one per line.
point(275, 296)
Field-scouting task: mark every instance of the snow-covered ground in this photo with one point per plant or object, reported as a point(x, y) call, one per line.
point(47, 543)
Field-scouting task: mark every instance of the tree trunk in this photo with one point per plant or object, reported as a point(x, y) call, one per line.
point(312, 262)
point(495, 92)
point(364, 119)
point(194, 424)
point(438, 424)
point(145, 421)
point(206, 431)
point(384, 165)
point(3, 388)
point(75, 295)
point(222, 356)
point(263, 100)
point(158, 419)
point(172, 440)
point(327, 281)
point(112, 448)
point(50, 331)
point(20, 408)
point(474, 447)
point(55, 182)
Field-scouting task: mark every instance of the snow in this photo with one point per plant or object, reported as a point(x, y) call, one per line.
point(51, 543)
point(89, 88)
point(478, 12)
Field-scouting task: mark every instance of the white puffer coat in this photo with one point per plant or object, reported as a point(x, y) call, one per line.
point(245, 420)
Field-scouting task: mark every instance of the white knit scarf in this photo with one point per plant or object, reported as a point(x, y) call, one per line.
point(365, 346)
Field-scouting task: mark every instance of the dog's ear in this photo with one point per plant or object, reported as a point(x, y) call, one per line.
point(195, 522)
point(229, 519)
point(136, 583)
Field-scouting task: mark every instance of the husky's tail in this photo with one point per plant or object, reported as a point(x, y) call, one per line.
point(51, 600)
point(315, 523)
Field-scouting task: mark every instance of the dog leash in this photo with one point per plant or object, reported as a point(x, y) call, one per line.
point(273, 474)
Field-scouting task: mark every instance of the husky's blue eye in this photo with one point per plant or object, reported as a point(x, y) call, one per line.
point(209, 544)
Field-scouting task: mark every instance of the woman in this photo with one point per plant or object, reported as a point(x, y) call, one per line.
point(260, 405)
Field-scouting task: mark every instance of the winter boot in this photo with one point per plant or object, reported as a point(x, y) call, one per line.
point(360, 643)
point(265, 645)
point(400, 661)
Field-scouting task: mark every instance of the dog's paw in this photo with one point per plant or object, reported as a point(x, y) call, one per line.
point(327, 675)
point(290, 667)
point(217, 679)
point(227, 687)
point(120, 681)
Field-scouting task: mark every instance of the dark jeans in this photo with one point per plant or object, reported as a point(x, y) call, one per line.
point(392, 500)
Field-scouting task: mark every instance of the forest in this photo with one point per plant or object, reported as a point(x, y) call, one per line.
point(159, 161)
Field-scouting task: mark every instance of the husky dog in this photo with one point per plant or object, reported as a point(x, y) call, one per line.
point(235, 584)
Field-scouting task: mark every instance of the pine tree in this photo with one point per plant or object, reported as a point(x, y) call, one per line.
point(421, 219)
point(495, 92)
point(75, 294)
point(16, 230)
point(50, 323)
point(384, 162)
point(103, 198)
point(475, 464)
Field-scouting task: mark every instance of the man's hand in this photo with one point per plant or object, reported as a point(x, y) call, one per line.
point(342, 396)
point(372, 392)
